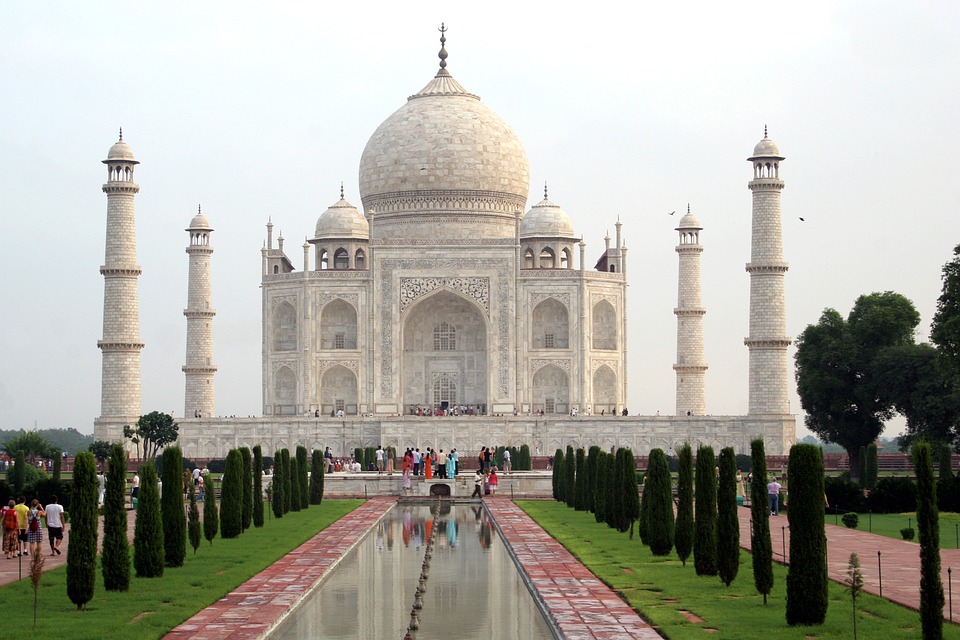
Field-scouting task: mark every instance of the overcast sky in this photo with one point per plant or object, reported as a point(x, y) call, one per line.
point(257, 110)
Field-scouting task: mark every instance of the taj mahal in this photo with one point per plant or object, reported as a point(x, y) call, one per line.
point(445, 311)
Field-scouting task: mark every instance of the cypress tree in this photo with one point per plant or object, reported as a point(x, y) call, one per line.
point(580, 491)
point(257, 486)
point(683, 535)
point(82, 551)
point(945, 481)
point(57, 463)
point(705, 525)
point(807, 580)
point(558, 475)
point(928, 526)
point(193, 520)
point(276, 484)
point(302, 477)
point(600, 492)
point(591, 471)
point(287, 481)
point(18, 477)
point(115, 557)
point(294, 484)
point(872, 466)
point(171, 509)
point(526, 461)
point(569, 477)
point(728, 523)
point(659, 487)
point(246, 511)
point(211, 517)
point(231, 496)
point(761, 547)
point(643, 522)
point(614, 504)
point(148, 529)
point(316, 477)
point(630, 500)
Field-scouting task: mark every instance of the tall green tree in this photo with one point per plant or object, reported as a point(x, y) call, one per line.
point(100, 450)
point(148, 530)
point(193, 520)
point(18, 475)
point(303, 482)
point(30, 442)
point(630, 494)
point(569, 476)
point(928, 525)
point(683, 534)
point(601, 492)
point(246, 512)
point(231, 496)
point(82, 551)
point(705, 524)
point(728, 523)
point(614, 507)
point(807, 581)
point(591, 471)
point(57, 464)
point(659, 491)
point(115, 556)
point(153, 432)
point(871, 467)
point(558, 475)
point(837, 373)
point(761, 547)
point(582, 483)
point(526, 461)
point(294, 485)
point(643, 522)
point(945, 329)
point(277, 484)
point(211, 517)
point(257, 486)
point(288, 475)
point(171, 509)
point(316, 477)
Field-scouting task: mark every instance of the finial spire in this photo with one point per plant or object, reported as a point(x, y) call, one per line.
point(121, 134)
point(688, 207)
point(443, 50)
point(198, 208)
point(764, 131)
point(341, 189)
point(544, 189)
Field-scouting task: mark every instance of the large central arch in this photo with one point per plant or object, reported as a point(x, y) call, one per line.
point(445, 357)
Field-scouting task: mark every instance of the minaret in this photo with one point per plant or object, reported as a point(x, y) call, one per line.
point(767, 341)
point(199, 370)
point(690, 367)
point(121, 345)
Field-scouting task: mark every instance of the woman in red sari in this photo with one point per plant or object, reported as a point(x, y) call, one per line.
point(428, 464)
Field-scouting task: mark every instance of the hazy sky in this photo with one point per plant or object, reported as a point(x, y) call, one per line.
point(261, 111)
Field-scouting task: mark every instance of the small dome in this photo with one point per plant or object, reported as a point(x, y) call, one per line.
point(342, 220)
point(546, 220)
point(766, 148)
point(689, 221)
point(200, 222)
point(121, 151)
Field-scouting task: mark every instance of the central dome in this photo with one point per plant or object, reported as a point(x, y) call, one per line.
point(444, 154)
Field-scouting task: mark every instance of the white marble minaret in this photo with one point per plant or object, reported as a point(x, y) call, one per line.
point(690, 367)
point(121, 345)
point(768, 340)
point(199, 370)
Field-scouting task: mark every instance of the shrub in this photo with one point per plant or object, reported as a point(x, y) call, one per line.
point(658, 492)
point(526, 462)
point(82, 552)
point(171, 509)
point(231, 496)
point(683, 532)
point(928, 522)
point(870, 468)
point(850, 520)
point(257, 486)
point(844, 494)
point(744, 463)
point(728, 523)
point(115, 557)
point(211, 518)
point(246, 511)
point(761, 547)
point(907, 533)
point(807, 581)
point(316, 477)
point(304, 491)
point(148, 530)
point(217, 466)
point(893, 495)
point(705, 524)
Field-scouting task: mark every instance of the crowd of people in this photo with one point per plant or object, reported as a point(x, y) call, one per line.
point(23, 527)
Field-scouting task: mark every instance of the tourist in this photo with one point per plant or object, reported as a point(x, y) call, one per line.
point(328, 459)
point(200, 488)
point(55, 525)
point(407, 467)
point(507, 466)
point(487, 458)
point(428, 464)
point(23, 512)
point(494, 481)
point(773, 491)
point(11, 530)
point(480, 458)
point(478, 485)
point(740, 490)
point(442, 464)
point(379, 455)
point(35, 528)
point(135, 491)
point(417, 461)
point(452, 464)
point(101, 487)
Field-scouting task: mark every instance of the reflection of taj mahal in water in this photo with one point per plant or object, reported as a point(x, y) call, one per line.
point(447, 294)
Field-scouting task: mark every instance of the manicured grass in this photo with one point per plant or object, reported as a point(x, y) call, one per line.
point(660, 589)
point(889, 525)
point(152, 607)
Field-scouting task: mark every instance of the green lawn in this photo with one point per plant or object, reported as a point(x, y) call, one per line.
point(889, 524)
point(661, 589)
point(154, 606)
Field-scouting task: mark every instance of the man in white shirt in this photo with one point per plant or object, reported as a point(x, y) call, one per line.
point(55, 526)
point(379, 459)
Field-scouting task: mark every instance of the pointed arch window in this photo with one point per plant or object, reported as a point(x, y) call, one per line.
point(444, 337)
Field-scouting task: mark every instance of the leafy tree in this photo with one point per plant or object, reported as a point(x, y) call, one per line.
point(569, 477)
point(277, 484)
point(246, 513)
point(231, 496)
point(728, 523)
point(928, 524)
point(582, 483)
point(171, 509)
point(148, 530)
point(837, 373)
point(945, 329)
point(31, 442)
point(591, 473)
point(761, 547)
point(257, 486)
point(807, 581)
point(304, 485)
point(316, 477)
point(154, 431)
point(601, 493)
point(683, 534)
point(211, 517)
point(658, 491)
point(193, 520)
point(558, 475)
point(82, 552)
point(705, 525)
point(100, 449)
point(115, 557)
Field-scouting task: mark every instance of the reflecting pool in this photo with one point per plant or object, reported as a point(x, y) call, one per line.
point(472, 584)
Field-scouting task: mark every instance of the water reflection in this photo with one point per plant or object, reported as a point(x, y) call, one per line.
point(473, 589)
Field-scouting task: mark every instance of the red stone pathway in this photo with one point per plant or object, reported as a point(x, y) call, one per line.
point(900, 560)
point(581, 605)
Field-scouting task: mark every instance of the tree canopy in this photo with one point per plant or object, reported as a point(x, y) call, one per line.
point(945, 330)
point(30, 442)
point(154, 431)
point(837, 369)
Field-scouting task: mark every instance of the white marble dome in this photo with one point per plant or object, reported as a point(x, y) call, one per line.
point(121, 151)
point(342, 220)
point(200, 222)
point(689, 221)
point(766, 148)
point(546, 220)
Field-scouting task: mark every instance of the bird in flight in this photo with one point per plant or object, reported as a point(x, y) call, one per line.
point(672, 212)
point(802, 220)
